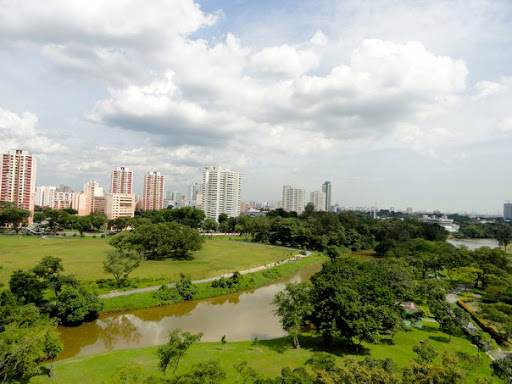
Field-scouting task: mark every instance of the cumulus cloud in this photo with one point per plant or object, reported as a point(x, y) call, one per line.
point(20, 131)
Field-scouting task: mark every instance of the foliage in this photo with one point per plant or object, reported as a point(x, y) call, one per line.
point(176, 347)
point(425, 351)
point(16, 217)
point(186, 289)
point(206, 372)
point(158, 241)
point(349, 299)
point(503, 367)
point(26, 287)
point(293, 307)
point(75, 305)
point(26, 338)
point(48, 270)
point(165, 293)
point(120, 264)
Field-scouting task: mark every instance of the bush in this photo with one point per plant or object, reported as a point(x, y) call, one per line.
point(102, 236)
point(272, 274)
point(165, 293)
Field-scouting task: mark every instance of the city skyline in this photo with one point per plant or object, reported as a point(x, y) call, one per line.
point(404, 104)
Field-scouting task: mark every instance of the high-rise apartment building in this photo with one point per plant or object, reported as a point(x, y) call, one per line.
point(18, 182)
point(317, 198)
point(153, 191)
point(326, 188)
point(119, 205)
point(507, 210)
point(293, 199)
point(122, 180)
point(45, 196)
point(193, 190)
point(221, 192)
point(95, 196)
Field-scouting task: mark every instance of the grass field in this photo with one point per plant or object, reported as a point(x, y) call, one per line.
point(83, 257)
point(266, 357)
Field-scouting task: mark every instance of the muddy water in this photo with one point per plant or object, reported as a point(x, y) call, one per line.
point(239, 316)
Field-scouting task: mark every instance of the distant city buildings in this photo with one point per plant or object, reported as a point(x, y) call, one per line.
point(45, 196)
point(293, 199)
point(153, 198)
point(18, 181)
point(221, 192)
point(507, 210)
point(317, 198)
point(327, 190)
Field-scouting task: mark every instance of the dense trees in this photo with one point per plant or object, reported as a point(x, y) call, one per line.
point(26, 338)
point(348, 300)
point(159, 241)
point(75, 304)
point(10, 215)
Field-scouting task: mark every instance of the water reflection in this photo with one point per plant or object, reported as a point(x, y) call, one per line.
point(239, 316)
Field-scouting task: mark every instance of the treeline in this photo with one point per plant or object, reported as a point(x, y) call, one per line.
point(323, 231)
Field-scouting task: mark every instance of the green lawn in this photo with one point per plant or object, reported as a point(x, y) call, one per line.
point(267, 357)
point(84, 257)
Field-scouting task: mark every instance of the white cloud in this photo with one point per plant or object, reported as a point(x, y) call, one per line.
point(20, 131)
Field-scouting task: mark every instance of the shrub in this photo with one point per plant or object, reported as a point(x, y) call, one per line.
point(165, 293)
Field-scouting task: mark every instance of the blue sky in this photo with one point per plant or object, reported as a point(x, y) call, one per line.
point(403, 103)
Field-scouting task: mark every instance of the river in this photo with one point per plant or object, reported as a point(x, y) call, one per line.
point(238, 316)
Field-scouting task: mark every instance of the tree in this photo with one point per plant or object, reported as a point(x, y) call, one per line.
point(209, 225)
point(13, 216)
point(425, 351)
point(48, 270)
point(82, 223)
point(503, 367)
point(175, 348)
point(26, 338)
point(75, 305)
point(120, 264)
point(504, 235)
point(26, 287)
point(293, 306)
point(186, 289)
point(23, 348)
point(205, 372)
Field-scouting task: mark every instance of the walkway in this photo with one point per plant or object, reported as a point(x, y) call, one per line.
point(227, 275)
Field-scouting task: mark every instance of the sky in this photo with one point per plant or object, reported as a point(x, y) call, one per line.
point(397, 103)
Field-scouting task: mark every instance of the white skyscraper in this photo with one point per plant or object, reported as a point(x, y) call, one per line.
point(45, 196)
point(221, 192)
point(318, 200)
point(293, 199)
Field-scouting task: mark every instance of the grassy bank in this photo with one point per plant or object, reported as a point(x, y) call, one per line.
point(83, 257)
point(266, 357)
point(205, 290)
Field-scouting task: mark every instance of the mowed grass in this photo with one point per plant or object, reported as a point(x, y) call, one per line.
point(266, 357)
point(83, 257)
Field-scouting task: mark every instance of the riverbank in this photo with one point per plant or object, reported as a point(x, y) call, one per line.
point(267, 357)
point(205, 290)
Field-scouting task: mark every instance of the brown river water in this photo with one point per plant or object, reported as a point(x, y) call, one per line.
point(239, 316)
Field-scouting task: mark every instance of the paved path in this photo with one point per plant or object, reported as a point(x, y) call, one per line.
point(227, 275)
